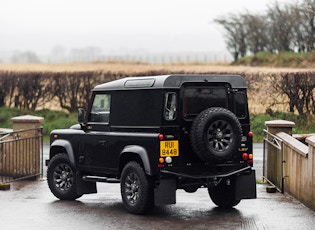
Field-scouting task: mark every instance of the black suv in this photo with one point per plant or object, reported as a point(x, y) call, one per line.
point(157, 134)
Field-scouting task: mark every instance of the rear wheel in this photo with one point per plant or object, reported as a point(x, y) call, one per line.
point(137, 190)
point(61, 178)
point(223, 194)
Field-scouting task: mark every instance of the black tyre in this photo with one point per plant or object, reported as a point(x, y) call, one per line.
point(223, 194)
point(61, 178)
point(136, 189)
point(215, 134)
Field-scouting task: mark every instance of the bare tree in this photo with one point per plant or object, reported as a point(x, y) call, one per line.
point(307, 11)
point(299, 88)
point(73, 89)
point(235, 35)
point(256, 32)
point(283, 27)
point(30, 89)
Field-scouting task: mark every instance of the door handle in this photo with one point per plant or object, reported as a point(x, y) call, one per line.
point(102, 142)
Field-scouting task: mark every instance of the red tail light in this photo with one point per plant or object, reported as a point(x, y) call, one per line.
point(245, 156)
point(161, 137)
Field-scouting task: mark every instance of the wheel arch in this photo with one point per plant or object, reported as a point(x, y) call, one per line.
point(62, 146)
point(135, 153)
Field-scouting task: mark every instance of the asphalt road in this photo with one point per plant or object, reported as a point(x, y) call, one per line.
point(30, 205)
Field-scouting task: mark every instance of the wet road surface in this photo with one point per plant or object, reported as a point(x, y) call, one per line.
point(31, 205)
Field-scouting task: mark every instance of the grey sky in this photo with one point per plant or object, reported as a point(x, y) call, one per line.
point(122, 26)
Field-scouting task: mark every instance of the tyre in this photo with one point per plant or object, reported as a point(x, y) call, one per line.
point(137, 190)
point(61, 178)
point(223, 194)
point(215, 134)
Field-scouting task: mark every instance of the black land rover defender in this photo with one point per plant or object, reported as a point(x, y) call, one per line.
point(157, 134)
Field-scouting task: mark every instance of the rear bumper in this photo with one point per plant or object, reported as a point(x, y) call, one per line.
point(208, 175)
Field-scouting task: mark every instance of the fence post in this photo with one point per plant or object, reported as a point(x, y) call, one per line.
point(277, 126)
point(27, 122)
point(276, 157)
point(29, 151)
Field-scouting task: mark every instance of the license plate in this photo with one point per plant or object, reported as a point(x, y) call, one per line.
point(169, 149)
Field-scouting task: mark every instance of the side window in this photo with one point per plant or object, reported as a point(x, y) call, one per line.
point(100, 109)
point(240, 105)
point(170, 112)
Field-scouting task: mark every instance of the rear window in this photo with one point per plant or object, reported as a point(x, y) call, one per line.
point(240, 105)
point(198, 99)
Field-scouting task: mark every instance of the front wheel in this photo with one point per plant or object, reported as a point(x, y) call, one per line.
point(137, 189)
point(223, 194)
point(61, 178)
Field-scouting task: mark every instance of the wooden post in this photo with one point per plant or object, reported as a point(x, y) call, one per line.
point(25, 151)
point(275, 157)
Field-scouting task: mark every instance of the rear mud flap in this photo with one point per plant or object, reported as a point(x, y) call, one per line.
point(165, 193)
point(245, 187)
point(84, 187)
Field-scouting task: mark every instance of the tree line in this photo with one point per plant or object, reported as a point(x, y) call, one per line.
point(72, 90)
point(283, 27)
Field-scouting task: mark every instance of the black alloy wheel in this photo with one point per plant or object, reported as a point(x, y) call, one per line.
point(136, 189)
point(61, 178)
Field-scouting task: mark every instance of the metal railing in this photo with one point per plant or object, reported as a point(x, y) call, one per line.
point(273, 161)
point(21, 155)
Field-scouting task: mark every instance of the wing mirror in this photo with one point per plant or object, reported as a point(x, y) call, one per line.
point(81, 116)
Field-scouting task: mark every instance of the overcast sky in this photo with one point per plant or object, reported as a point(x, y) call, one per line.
point(153, 26)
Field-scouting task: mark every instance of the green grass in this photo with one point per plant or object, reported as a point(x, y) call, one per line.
point(303, 125)
point(56, 120)
point(283, 59)
point(261, 182)
point(52, 119)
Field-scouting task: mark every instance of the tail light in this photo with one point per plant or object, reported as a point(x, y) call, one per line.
point(161, 137)
point(248, 157)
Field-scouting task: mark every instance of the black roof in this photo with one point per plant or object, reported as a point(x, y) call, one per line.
point(170, 81)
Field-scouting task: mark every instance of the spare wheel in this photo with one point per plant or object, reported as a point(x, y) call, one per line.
point(215, 134)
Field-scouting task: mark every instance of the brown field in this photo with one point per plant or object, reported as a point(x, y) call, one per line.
point(260, 94)
point(143, 67)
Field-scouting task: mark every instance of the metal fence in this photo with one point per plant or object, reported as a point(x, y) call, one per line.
point(273, 161)
point(21, 155)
